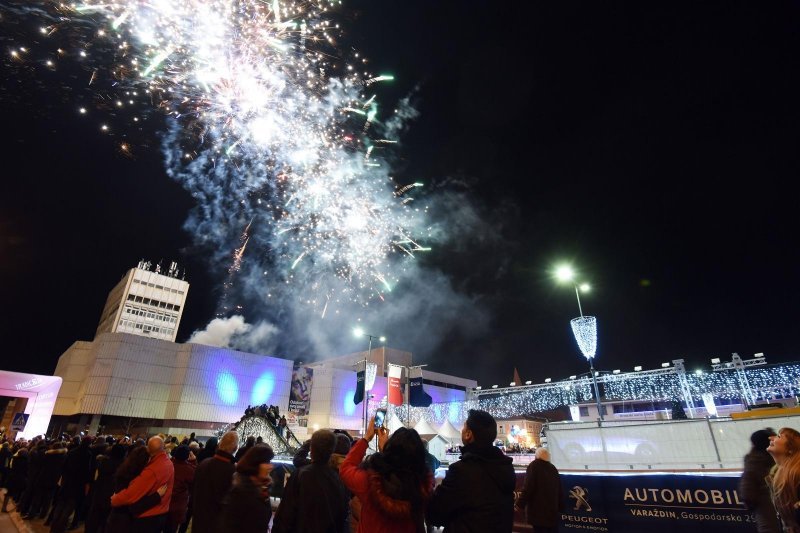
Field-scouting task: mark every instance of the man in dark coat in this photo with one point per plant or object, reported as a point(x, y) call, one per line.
point(47, 485)
point(542, 495)
point(753, 488)
point(315, 499)
point(75, 478)
point(246, 508)
point(212, 480)
point(477, 494)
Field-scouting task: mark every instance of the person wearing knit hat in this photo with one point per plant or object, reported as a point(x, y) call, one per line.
point(753, 489)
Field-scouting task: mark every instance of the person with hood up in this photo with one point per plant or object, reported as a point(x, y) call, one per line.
point(477, 494)
point(753, 487)
point(393, 486)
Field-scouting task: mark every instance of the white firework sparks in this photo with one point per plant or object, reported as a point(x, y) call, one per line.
point(271, 124)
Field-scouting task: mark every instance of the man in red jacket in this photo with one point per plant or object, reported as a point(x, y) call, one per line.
point(159, 471)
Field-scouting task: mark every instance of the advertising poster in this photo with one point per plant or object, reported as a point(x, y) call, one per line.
point(655, 503)
point(300, 393)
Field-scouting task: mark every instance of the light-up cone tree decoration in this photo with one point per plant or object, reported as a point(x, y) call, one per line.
point(583, 327)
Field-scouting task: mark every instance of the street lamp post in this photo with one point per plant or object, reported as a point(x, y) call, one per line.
point(584, 328)
point(358, 332)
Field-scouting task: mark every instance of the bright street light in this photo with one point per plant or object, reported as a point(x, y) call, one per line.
point(564, 273)
point(358, 332)
point(584, 328)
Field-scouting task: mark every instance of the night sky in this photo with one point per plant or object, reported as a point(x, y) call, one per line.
point(652, 145)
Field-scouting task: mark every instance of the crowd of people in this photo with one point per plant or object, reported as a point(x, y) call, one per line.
point(166, 485)
point(273, 415)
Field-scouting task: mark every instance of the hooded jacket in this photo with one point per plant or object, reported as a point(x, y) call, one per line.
point(477, 494)
point(380, 512)
point(52, 465)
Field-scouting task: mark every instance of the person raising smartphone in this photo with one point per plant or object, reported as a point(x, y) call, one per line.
point(392, 485)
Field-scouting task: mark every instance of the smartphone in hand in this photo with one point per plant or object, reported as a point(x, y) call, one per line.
point(380, 417)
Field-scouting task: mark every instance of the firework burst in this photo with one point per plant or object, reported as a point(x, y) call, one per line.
point(271, 131)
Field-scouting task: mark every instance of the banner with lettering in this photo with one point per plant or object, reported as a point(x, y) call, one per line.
point(417, 395)
point(300, 393)
point(656, 503)
point(395, 392)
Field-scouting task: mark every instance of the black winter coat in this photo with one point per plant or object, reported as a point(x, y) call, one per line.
point(542, 496)
point(315, 501)
point(477, 494)
point(77, 472)
point(52, 465)
point(18, 473)
point(212, 480)
point(246, 509)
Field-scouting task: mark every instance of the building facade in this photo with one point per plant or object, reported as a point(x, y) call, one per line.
point(158, 385)
point(145, 302)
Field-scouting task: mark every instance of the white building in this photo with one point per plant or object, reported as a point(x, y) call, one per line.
point(145, 302)
point(151, 383)
point(158, 385)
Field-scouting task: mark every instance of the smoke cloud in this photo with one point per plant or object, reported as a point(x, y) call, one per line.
point(235, 332)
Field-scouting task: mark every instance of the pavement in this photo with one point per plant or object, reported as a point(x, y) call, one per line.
point(12, 522)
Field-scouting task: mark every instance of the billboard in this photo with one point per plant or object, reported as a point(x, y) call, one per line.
point(656, 503)
point(300, 392)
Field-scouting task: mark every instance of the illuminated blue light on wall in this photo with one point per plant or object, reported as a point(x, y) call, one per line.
point(262, 389)
point(227, 388)
point(348, 406)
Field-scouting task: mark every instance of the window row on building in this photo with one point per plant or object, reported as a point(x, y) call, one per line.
point(146, 328)
point(156, 286)
point(153, 302)
point(135, 311)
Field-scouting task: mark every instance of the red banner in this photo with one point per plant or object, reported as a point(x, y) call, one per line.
point(395, 391)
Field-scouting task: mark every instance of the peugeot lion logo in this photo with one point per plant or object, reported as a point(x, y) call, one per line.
point(580, 494)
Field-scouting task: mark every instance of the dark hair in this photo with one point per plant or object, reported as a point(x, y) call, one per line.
point(132, 466)
point(211, 446)
point(180, 453)
point(255, 456)
point(401, 465)
point(343, 444)
point(117, 453)
point(760, 438)
point(483, 426)
point(323, 442)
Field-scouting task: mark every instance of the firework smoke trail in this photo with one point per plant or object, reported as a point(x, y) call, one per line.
point(270, 124)
point(279, 139)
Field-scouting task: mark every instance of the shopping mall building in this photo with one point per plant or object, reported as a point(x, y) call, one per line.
point(134, 377)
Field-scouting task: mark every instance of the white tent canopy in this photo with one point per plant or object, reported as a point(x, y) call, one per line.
point(424, 428)
point(449, 431)
point(392, 422)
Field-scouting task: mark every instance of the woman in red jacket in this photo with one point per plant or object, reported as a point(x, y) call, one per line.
point(393, 485)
